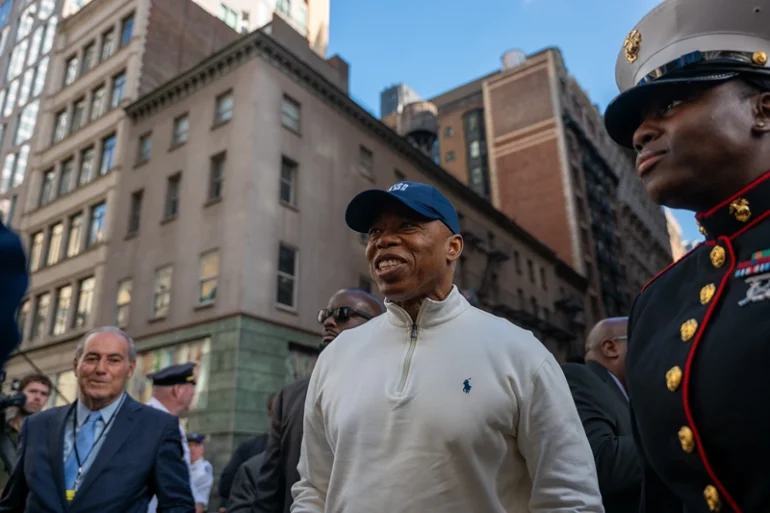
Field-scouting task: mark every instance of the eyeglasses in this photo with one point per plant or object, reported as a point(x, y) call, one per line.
point(341, 314)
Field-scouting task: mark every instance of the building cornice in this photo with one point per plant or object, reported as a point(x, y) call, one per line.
point(260, 44)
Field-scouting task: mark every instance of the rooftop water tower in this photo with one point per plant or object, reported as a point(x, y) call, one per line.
point(513, 59)
point(417, 122)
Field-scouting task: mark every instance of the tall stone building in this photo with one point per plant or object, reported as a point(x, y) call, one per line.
point(527, 139)
point(217, 233)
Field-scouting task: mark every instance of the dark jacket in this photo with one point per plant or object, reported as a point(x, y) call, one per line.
point(696, 369)
point(141, 456)
point(247, 450)
point(13, 285)
point(243, 491)
point(606, 418)
point(279, 470)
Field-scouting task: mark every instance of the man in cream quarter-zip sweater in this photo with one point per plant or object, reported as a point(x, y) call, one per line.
point(436, 406)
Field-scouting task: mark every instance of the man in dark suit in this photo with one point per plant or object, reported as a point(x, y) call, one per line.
point(347, 309)
point(105, 452)
point(598, 388)
point(14, 280)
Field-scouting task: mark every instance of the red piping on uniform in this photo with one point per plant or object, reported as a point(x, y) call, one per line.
point(750, 186)
point(669, 266)
point(687, 370)
point(751, 225)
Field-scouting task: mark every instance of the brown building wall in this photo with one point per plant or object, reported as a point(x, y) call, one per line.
point(179, 35)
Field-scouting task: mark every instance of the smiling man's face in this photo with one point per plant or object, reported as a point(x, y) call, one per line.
point(104, 368)
point(410, 257)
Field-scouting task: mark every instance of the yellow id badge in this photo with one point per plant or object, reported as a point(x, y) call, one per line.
point(70, 495)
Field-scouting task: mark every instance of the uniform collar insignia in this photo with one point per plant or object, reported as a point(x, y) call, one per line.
point(737, 212)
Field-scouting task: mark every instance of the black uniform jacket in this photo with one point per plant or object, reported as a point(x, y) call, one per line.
point(698, 367)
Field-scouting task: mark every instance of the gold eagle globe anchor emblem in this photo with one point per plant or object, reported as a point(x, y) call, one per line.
point(740, 209)
point(632, 45)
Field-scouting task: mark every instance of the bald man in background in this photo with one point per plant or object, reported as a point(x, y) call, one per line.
point(599, 391)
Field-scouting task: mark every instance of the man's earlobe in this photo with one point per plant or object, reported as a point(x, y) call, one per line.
point(762, 114)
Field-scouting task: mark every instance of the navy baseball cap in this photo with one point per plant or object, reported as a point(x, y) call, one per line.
point(424, 200)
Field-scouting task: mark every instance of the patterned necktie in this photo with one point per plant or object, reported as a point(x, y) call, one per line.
point(85, 443)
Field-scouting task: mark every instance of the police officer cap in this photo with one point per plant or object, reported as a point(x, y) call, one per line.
point(196, 437)
point(684, 43)
point(174, 375)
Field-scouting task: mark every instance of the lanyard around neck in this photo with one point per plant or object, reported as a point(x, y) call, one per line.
point(75, 433)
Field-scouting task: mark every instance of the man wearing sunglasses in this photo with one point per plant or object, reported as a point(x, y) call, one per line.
point(694, 81)
point(599, 391)
point(436, 406)
point(347, 309)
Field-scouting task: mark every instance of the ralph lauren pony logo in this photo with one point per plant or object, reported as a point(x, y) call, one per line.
point(467, 386)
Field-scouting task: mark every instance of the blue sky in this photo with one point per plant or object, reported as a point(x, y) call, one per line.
point(435, 45)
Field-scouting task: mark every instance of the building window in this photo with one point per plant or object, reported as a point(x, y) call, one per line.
point(62, 310)
point(10, 98)
point(543, 281)
point(42, 307)
point(36, 251)
point(85, 301)
point(173, 185)
point(283, 7)
point(16, 63)
point(60, 126)
point(217, 176)
point(108, 44)
point(517, 262)
point(71, 70)
point(40, 75)
point(123, 303)
point(287, 276)
point(531, 270)
point(21, 166)
point(26, 125)
point(288, 181)
point(118, 88)
point(135, 214)
point(47, 189)
point(223, 108)
point(535, 309)
point(89, 58)
point(228, 15)
point(96, 230)
point(66, 176)
point(449, 131)
point(302, 17)
point(181, 130)
point(474, 148)
point(21, 320)
point(86, 166)
point(26, 85)
point(9, 164)
point(97, 102)
point(161, 300)
point(365, 161)
point(290, 113)
point(75, 234)
point(55, 243)
point(108, 155)
point(400, 177)
point(78, 114)
point(144, 149)
point(207, 289)
point(126, 31)
point(449, 156)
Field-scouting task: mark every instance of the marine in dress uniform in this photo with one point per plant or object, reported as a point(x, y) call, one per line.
point(201, 471)
point(694, 81)
point(180, 374)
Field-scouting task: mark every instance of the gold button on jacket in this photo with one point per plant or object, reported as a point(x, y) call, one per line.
point(673, 378)
point(718, 256)
point(711, 495)
point(688, 329)
point(686, 439)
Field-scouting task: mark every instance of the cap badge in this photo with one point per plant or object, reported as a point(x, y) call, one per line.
point(740, 209)
point(759, 58)
point(632, 44)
